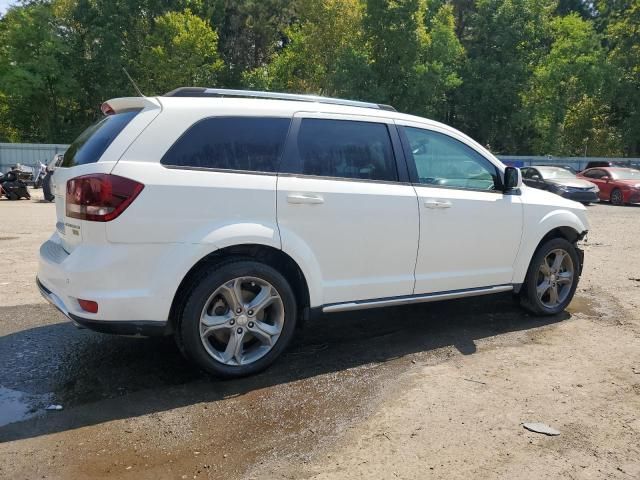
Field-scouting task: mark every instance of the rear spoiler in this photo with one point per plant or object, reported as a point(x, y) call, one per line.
point(117, 105)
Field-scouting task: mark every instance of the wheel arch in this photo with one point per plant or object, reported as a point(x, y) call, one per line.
point(557, 224)
point(268, 255)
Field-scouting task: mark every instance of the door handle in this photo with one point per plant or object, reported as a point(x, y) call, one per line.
point(304, 198)
point(431, 203)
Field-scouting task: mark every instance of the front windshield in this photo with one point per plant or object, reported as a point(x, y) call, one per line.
point(625, 174)
point(555, 172)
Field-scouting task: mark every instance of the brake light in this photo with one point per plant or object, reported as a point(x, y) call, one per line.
point(100, 197)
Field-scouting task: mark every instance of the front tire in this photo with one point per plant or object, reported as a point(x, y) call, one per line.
point(552, 278)
point(237, 319)
point(616, 197)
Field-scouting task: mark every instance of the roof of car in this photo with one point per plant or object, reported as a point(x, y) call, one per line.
point(279, 107)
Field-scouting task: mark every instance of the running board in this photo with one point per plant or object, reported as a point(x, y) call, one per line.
point(429, 297)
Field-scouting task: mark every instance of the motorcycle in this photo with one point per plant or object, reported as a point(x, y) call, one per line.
point(12, 187)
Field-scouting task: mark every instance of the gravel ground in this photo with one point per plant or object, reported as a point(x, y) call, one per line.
point(431, 391)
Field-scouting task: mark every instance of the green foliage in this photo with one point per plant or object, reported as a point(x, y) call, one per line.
point(503, 40)
point(573, 69)
point(523, 76)
point(181, 50)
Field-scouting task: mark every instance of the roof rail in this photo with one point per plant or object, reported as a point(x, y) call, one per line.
point(222, 92)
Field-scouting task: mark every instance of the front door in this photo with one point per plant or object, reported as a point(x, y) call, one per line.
point(469, 230)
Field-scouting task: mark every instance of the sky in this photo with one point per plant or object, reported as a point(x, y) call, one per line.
point(4, 4)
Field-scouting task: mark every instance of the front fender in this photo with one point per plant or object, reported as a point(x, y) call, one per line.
point(535, 231)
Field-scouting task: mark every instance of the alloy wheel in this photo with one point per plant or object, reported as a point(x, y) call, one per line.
point(555, 278)
point(242, 321)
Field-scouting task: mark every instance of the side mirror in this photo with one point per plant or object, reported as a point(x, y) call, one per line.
point(606, 178)
point(512, 179)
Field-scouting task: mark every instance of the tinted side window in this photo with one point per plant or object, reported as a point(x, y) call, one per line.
point(92, 143)
point(231, 143)
point(594, 173)
point(347, 149)
point(441, 160)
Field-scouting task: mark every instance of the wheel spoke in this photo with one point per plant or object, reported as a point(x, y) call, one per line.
point(213, 323)
point(553, 295)
point(234, 348)
point(557, 262)
point(545, 269)
point(565, 278)
point(262, 300)
point(543, 287)
point(232, 293)
point(265, 332)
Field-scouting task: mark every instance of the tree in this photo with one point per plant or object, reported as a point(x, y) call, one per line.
point(325, 54)
point(623, 36)
point(569, 76)
point(36, 91)
point(182, 50)
point(503, 43)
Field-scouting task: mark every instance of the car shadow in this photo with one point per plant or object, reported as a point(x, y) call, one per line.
point(130, 377)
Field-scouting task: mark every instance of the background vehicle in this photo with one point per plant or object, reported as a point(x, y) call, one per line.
point(560, 181)
point(12, 187)
point(223, 217)
point(617, 185)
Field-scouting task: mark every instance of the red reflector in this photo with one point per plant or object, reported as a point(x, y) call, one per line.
point(88, 306)
point(106, 109)
point(100, 197)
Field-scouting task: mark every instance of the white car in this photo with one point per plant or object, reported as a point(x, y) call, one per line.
point(225, 217)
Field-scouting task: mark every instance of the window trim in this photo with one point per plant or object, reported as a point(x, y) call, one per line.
point(291, 166)
point(413, 169)
point(229, 170)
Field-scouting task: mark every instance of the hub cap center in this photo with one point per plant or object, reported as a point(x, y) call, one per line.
point(242, 320)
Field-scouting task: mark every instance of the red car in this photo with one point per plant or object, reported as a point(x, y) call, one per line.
point(618, 185)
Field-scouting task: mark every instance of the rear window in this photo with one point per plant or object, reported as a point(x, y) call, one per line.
point(92, 143)
point(231, 143)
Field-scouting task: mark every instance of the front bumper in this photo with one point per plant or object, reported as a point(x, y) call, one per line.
point(582, 197)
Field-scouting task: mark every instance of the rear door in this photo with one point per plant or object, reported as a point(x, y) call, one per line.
point(345, 207)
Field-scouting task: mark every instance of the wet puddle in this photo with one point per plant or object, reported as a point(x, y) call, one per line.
point(582, 305)
point(16, 406)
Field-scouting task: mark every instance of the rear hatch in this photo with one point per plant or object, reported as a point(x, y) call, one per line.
point(96, 151)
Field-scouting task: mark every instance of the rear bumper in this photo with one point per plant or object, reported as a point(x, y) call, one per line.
point(133, 284)
point(119, 327)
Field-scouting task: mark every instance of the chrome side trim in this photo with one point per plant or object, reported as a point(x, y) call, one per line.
point(430, 297)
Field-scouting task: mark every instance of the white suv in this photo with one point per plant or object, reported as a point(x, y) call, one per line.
point(225, 217)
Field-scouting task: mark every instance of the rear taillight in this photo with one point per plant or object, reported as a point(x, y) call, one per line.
point(100, 197)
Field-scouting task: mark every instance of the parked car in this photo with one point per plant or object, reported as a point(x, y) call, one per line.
point(226, 217)
point(562, 182)
point(617, 185)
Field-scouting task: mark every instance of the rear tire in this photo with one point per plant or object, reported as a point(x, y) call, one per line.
point(238, 318)
point(552, 278)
